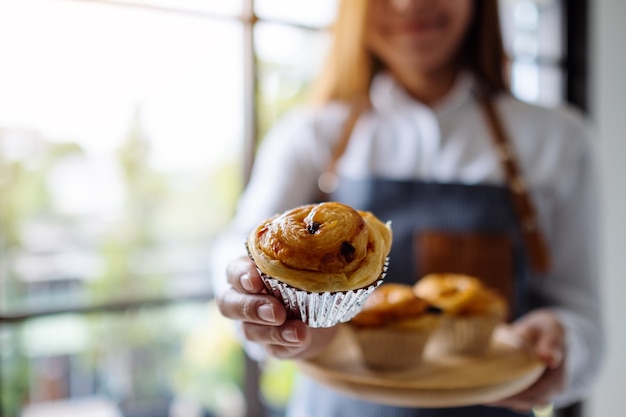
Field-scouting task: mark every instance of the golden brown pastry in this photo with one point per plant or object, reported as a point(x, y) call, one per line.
point(322, 247)
point(471, 312)
point(459, 294)
point(393, 327)
point(391, 305)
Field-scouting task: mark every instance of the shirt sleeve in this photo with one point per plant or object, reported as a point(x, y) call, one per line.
point(284, 175)
point(572, 289)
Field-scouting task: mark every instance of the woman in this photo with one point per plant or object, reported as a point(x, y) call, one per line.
point(412, 107)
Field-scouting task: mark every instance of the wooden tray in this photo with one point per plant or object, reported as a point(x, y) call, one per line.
point(508, 367)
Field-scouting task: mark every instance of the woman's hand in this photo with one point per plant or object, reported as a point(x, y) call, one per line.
point(544, 333)
point(264, 318)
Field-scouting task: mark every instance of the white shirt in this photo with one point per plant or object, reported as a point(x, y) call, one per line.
point(401, 138)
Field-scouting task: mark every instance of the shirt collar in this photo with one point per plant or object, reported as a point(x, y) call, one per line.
point(386, 94)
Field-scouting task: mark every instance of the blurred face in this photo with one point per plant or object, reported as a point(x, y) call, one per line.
point(421, 36)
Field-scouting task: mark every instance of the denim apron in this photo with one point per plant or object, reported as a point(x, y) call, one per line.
point(416, 209)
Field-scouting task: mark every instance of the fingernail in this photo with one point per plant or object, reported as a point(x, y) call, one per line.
point(246, 282)
point(266, 312)
point(290, 334)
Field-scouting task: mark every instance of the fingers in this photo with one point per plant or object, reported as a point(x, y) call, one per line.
point(292, 340)
point(264, 317)
point(550, 346)
point(544, 333)
point(286, 341)
point(288, 334)
point(252, 308)
point(245, 300)
point(550, 350)
point(243, 276)
point(546, 336)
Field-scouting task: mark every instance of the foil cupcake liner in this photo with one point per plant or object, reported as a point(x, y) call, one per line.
point(323, 309)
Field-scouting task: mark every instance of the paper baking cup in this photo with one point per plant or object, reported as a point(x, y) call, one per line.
point(464, 335)
point(393, 348)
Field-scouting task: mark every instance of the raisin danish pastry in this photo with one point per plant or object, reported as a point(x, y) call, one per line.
point(322, 259)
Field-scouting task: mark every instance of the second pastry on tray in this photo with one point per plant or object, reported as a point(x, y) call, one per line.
point(471, 312)
point(393, 327)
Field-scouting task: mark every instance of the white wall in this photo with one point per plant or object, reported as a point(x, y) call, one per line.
point(608, 108)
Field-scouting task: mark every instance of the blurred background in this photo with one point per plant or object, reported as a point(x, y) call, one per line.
point(127, 131)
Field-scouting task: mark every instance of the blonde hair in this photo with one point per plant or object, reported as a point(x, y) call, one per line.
point(350, 67)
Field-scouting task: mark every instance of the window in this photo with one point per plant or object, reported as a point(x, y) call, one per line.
point(120, 157)
point(533, 41)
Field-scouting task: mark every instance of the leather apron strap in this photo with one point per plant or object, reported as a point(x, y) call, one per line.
point(524, 208)
point(533, 238)
point(328, 181)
